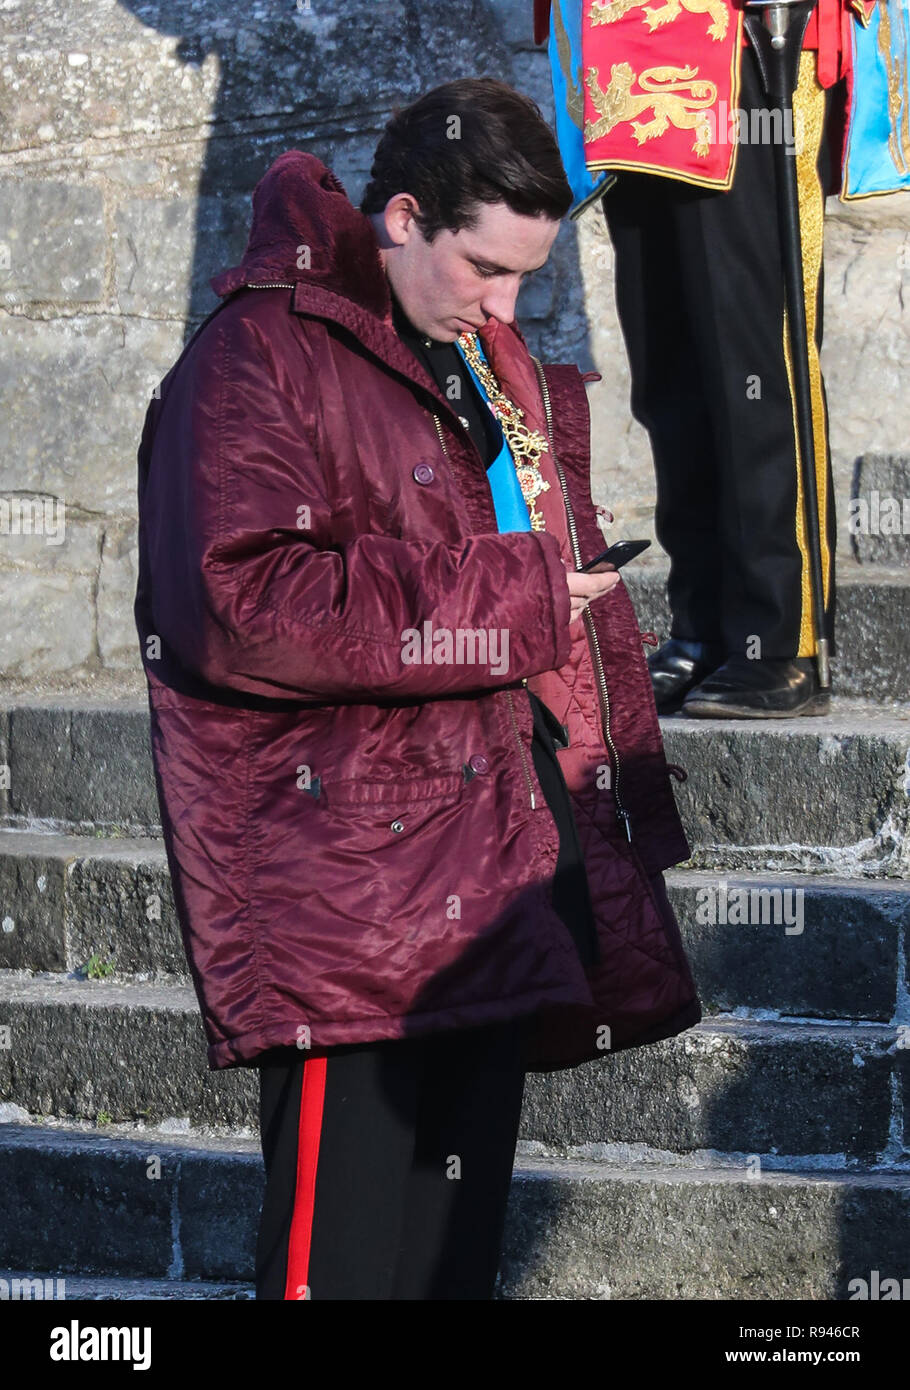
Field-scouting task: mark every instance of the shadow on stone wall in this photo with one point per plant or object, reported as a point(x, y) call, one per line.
point(326, 78)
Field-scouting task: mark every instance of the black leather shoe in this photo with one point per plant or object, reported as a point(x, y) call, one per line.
point(744, 689)
point(677, 667)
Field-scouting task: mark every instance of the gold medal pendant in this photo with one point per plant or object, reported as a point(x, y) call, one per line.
point(525, 446)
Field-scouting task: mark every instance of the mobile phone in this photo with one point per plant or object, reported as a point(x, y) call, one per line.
point(618, 555)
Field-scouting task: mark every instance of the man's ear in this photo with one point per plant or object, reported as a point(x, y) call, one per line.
point(399, 217)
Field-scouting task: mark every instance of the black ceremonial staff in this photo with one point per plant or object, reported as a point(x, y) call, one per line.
point(777, 38)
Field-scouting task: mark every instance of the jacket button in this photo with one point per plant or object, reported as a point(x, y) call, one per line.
point(423, 473)
point(479, 763)
point(397, 826)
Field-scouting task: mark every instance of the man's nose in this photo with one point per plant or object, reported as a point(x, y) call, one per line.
point(499, 300)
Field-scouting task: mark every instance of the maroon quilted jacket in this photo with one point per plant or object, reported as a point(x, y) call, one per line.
point(358, 843)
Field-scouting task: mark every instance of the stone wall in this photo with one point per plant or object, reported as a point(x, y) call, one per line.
point(131, 136)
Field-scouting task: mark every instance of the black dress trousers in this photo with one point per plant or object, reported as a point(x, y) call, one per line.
point(701, 301)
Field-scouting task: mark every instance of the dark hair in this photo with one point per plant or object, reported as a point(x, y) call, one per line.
point(468, 142)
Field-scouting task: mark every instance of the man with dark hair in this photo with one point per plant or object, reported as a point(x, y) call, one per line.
point(483, 163)
point(411, 861)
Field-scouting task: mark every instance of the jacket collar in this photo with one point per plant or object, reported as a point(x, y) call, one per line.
point(301, 213)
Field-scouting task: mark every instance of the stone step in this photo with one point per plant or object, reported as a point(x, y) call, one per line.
point(21, 1284)
point(160, 1206)
point(104, 1209)
point(818, 795)
point(873, 603)
point(792, 944)
point(647, 1231)
point(80, 763)
point(130, 1051)
point(814, 947)
point(767, 1088)
point(66, 898)
point(760, 795)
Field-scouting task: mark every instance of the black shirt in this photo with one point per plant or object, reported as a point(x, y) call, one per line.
point(443, 361)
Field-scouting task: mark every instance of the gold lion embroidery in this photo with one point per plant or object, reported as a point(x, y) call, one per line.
point(662, 90)
point(608, 11)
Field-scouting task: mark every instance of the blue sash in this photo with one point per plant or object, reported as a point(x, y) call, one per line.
point(564, 51)
point(508, 502)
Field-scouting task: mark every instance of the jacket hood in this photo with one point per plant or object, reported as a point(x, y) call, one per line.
point(297, 203)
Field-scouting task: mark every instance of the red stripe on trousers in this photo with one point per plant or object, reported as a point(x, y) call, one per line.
point(309, 1129)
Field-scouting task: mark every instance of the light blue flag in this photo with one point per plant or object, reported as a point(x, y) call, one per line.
point(878, 147)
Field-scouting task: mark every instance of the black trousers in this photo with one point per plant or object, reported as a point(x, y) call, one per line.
point(700, 297)
point(388, 1166)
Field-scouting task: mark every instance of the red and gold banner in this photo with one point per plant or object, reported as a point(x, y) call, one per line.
point(661, 82)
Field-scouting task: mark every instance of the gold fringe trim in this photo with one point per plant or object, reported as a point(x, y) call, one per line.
point(809, 117)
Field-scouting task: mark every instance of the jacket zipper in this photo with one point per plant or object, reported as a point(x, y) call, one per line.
point(273, 285)
point(512, 715)
point(621, 811)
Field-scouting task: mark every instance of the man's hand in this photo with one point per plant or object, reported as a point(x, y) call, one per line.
point(585, 587)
